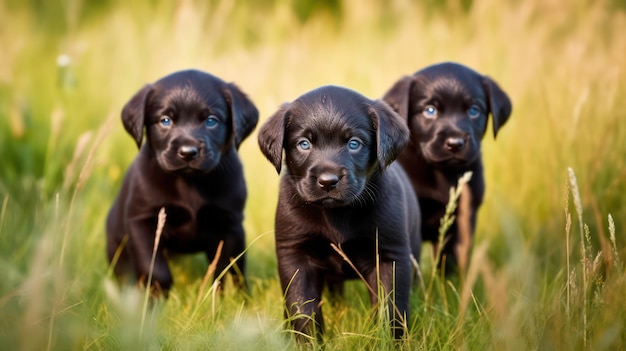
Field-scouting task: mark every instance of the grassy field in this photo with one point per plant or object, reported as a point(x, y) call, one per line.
point(547, 269)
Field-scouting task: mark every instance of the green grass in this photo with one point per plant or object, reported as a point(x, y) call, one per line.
point(545, 272)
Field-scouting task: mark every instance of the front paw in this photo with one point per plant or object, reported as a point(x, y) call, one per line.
point(160, 284)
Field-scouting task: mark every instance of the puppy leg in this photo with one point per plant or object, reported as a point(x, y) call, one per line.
point(234, 244)
point(121, 261)
point(119, 247)
point(161, 276)
point(302, 289)
point(395, 281)
point(141, 245)
point(335, 284)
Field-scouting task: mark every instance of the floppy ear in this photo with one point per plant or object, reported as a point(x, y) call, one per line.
point(271, 137)
point(244, 115)
point(398, 96)
point(133, 113)
point(391, 133)
point(499, 104)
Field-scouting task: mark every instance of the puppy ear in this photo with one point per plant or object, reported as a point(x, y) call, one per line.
point(398, 96)
point(271, 137)
point(244, 114)
point(133, 113)
point(391, 133)
point(499, 104)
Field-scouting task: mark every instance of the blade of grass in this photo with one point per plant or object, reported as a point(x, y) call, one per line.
point(5, 203)
point(146, 300)
point(445, 223)
point(579, 210)
point(616, 260)
point(568, 226)
point(210, 270)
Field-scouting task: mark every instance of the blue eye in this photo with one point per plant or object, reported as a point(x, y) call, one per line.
point(354, 144)
point(165, 121)
point(211, 121)
point(473, 111)
point(304, 144)
point(430, 111)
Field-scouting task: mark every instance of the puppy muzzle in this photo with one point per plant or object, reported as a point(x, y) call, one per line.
point(188, 152)
point(188, 156)
point(455, 144)
point(327, 181)
point(451, 149)
point(327, 186)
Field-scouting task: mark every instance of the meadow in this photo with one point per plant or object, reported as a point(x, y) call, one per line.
point(547, 270)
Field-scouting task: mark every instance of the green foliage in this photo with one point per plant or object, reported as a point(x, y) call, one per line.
point(539, 277)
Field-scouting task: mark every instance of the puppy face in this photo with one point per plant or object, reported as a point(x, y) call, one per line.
point(190, 119)
point(447, 107)
point(334, 140)
point(328, 156)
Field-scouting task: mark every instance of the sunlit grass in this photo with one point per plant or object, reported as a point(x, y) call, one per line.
point(534, 281)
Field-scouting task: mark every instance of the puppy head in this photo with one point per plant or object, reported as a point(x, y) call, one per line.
point(334, 140)
point(190, 118)
point(446, 107)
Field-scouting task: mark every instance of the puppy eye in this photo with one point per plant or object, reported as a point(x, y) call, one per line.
point(211, 121)
point(474, 111)
point(354, 144)
point(304, 144)
point(430, 111)
point(165, 121)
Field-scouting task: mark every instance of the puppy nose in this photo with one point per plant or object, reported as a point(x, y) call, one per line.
point(455, 144)
point(188, 152)
point(328, 181)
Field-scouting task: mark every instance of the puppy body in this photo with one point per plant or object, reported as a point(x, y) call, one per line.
point(194, 123)
point(336, 190)
point(446, 107)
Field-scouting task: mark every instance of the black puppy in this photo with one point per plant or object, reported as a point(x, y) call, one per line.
point(194, 123)
point(341, 187)
point(446, 108)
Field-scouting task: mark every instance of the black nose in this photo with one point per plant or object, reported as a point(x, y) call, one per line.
point(187, 152)
point(455, 144)
point(328, 181)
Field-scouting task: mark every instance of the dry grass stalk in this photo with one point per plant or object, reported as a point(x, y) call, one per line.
point(159, 231)
point(464, 227)
point(583, 247)
point(347, 259)
point(616, 260)
point(210, 271)
point(568, 226)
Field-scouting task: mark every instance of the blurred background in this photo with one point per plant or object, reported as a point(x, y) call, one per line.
point(68, 67)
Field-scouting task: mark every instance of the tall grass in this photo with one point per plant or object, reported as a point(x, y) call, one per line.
point(533, 282)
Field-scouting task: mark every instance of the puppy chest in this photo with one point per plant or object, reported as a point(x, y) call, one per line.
point(340, 257)
point(188, 229)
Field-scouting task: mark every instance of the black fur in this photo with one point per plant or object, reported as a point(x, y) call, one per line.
point(194, 123)
point(341, 187)
point(444, 146)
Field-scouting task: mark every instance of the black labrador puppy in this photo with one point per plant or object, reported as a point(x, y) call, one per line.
point(194, 123)
point(341, 187)
point(446, 107)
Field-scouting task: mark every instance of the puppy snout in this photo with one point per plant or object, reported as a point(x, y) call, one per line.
point(455, 144)
point(327, 181)
point(188, 152)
